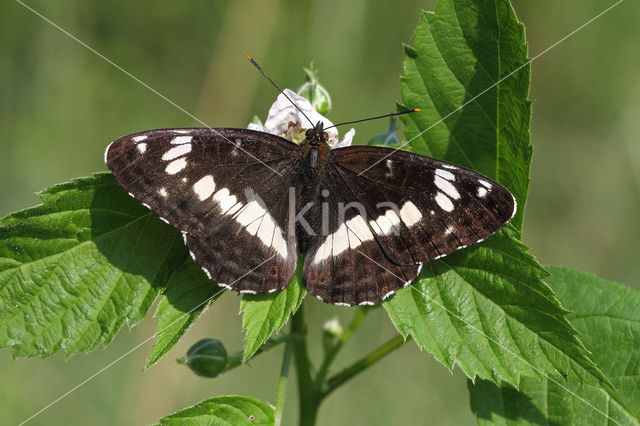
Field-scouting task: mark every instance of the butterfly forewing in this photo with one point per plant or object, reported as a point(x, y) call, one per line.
point(420, 208)
point(217, 186)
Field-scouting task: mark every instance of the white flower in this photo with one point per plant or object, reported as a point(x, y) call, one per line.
point(286, 121)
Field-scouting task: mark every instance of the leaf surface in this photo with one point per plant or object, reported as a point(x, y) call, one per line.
point(471, 113)
point(608, 317)
point(487, 310)
point(76, 268)
point(265, 314)
point(186, 297)
point(223, 410)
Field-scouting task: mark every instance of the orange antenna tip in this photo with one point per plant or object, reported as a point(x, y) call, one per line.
point(249, 57)
point(416, 109)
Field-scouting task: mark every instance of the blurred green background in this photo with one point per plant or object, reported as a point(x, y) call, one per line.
point(60, 105)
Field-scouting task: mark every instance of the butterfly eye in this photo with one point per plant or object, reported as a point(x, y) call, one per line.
point(308, 133)
point(325, 135)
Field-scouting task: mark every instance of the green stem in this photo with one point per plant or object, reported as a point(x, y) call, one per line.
point(331, 354)
point(364, 363)
point(307, 393)
point(282, 382)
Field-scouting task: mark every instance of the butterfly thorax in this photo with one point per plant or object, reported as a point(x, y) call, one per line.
point(315, 149)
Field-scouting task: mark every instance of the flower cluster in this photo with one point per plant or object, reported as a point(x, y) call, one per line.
point(286, 121)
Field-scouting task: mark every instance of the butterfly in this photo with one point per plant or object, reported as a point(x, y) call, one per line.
point(365, 218)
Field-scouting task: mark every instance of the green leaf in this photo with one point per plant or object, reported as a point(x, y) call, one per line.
point(608, 317)
point(487, 310)
point(228, 410)
point(188, 294)
point(265, 314)
point(459, 53)
point(76, 268)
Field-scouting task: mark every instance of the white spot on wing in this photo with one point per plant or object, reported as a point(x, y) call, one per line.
point(482, 192)
point(247, 292)
point(234, 209)
point(366, 304)
point(181, 139)
point(204, 187)
point(267, 227)
point(279, 243)
point(484, 183)
point(257, 221)
point(224, 199)
point(139, 138)
point(410, 214)
point(176, 166)
point(447, 187)
point(142, 148)
point(252, 212)
point(350, 234)
point(393, 218)
point(446, 175)
point(163, 192)
point(449, 166)
point(358, 226)
point(106, 152)
point(340, 240)
point(444, 202)
point(176, 152)
point(386, 296)
point(342, 304)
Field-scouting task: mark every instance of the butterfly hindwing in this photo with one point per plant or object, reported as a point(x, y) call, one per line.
point(347, 264)
point(217, 186)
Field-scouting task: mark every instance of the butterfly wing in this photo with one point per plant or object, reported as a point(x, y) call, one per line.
point(440, 207)
point(413, 209)
point(347, 264)
point(217, 186)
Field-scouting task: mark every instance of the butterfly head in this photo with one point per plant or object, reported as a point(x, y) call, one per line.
point(317, 135)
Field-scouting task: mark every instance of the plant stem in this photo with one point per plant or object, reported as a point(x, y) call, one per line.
point(307, 393)
point(331, 354)
point(282, 382)
point(364, 363)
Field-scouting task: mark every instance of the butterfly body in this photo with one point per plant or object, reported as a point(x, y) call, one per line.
point(365, 218)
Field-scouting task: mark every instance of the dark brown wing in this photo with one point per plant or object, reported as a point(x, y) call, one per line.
point(438, 207)
point(223, 189)
point(389, 214)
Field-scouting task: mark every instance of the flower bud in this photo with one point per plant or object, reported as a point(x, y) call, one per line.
point(331, 332)
point(206, 358)
point(315, 92)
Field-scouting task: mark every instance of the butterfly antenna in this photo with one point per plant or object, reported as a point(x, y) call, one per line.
point(255, 64)
point(375, 118)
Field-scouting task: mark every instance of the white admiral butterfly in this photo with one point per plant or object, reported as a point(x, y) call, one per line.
point(364, 217)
